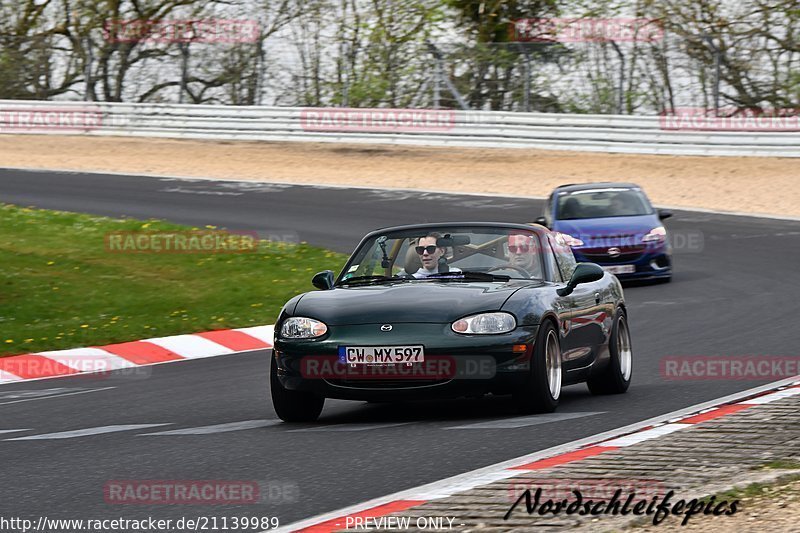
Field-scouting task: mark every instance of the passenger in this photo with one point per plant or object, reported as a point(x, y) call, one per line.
point(523, 253)
point(620, 206)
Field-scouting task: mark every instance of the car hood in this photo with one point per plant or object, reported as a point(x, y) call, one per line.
point(608, 225)
point(424, 301)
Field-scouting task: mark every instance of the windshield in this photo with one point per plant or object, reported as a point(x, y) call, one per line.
point(446, 253)
point(600, 203)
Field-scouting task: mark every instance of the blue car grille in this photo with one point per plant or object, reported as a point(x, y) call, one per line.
point(628, 253)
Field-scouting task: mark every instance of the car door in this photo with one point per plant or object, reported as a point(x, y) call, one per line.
point(588, 318)
point(572, 347)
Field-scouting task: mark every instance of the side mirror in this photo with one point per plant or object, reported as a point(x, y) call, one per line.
point(323, 280)
point(541, 221)
point(584, 273)
point(664, 214)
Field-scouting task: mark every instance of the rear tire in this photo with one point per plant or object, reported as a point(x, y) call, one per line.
point(616, 377)
point(543, 388)
point(290, 405)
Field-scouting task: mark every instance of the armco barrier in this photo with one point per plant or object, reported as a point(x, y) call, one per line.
point(597, 133)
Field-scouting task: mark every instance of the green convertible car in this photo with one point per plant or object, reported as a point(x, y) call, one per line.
point(448, 310)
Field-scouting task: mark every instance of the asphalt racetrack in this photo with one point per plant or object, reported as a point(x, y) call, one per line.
point(734, 289)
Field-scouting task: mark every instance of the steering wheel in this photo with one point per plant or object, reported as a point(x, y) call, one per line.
point(510, 267)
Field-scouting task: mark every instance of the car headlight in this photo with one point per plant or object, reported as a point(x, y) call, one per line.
point(565, 239)
point(655, 235)
point(485, 324)
point(302, 328)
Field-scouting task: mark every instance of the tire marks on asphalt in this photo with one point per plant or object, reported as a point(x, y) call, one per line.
point(348, 427)
point(217, 428)
point(44, 394)
point(525, 421)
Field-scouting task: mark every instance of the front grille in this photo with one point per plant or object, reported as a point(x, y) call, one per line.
point(607, 259)
point(628, 254)
point(620, 240)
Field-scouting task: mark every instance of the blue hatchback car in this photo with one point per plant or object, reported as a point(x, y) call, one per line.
point(613, 225)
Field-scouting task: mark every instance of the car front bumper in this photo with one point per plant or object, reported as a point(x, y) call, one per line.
point(653, 263)
point(455, 365)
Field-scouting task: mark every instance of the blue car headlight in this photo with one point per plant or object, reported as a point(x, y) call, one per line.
point(299, 327)
point(657, 234)
point(485, 324)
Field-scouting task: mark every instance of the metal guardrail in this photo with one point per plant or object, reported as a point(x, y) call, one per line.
point(597, 133)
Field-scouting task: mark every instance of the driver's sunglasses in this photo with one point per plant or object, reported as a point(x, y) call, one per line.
point(422, 249)
point(521, 249)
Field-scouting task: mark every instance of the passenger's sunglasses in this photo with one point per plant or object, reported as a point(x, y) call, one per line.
point(521, 249)
point(422, 249)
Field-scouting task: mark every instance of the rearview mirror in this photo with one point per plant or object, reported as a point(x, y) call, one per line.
point(452, 240)
point(323, 280)
point(541, 221)
point(664, 214)
point(584, 273)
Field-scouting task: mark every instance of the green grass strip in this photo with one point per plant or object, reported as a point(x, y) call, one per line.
point(62, 286)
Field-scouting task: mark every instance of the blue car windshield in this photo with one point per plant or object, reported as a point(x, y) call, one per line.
point(600, 203)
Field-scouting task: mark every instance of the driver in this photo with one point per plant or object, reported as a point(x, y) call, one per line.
point(620, 206)
point(522, 252)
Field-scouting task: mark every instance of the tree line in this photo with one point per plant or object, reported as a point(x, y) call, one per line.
point(511, 55)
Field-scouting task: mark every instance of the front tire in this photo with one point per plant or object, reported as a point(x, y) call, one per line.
point(290, 405)
point(616, 377)
point(543, 388)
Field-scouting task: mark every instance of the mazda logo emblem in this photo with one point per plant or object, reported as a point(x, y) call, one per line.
point(614, 251)
point(386, 327)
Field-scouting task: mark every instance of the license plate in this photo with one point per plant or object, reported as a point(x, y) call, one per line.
point(370, 355)
point(620, 269)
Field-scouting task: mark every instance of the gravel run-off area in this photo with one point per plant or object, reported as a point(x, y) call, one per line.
point(737, 184)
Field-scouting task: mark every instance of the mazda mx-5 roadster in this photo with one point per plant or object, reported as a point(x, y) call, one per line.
point(448, 310)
